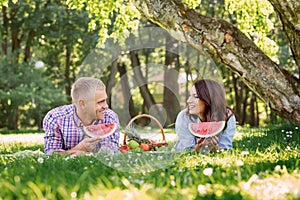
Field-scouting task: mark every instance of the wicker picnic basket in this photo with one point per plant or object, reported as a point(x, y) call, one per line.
point(153, 144)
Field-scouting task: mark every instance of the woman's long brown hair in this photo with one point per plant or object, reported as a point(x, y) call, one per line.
point(213, 95)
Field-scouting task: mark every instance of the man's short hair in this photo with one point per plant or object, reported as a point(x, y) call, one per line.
point(84, 87)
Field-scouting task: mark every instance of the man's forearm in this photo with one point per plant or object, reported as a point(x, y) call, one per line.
point(71, 152)
point(77, 150)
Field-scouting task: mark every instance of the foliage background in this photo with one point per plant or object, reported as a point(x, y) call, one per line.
point(63, 34)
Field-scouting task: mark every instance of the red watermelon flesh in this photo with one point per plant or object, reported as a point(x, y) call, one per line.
point(206, 129)
point(99, 130)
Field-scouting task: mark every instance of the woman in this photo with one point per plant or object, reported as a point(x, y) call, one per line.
point(206, 103)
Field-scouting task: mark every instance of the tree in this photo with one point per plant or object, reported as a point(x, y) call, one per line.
point(32, 31)
point(225, 43)
point(171, 103)
point(21, 82)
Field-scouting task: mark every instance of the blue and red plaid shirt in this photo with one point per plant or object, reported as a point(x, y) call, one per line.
point(63, 130)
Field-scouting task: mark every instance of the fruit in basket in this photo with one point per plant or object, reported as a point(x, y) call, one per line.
point(99, 130)
point(144, 144)
point(206, 129)
point(133, 144)
point(132, 134)
point(145, 141)
point(145, 147)
point(124, 148)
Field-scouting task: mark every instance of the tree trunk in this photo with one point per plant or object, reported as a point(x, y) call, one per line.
point(226, 44)
point(67, 73)
point(28, 46)
point(170, 101)
point(143, 85)
point(252, 108)
point(288, 12)
point(13, 117)
point(241, 96)
point(4, 30)
point(141, 82)
point(126, 90)
point(111, 81)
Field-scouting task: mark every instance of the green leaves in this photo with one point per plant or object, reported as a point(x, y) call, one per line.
point(255, 19)
point(113, 19)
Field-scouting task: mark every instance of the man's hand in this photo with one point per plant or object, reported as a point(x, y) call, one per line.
point(87, 144)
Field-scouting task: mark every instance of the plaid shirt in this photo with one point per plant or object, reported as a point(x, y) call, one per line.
point(63, 130)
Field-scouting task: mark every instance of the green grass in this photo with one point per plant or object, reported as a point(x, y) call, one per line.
point(264, 164)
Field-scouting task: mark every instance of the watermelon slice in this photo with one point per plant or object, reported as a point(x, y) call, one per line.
point(100, 130)
point(206, 129)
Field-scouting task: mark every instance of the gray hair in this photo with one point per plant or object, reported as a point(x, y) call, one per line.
point(85, 87)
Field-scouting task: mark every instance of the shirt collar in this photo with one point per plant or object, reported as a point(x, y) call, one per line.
point(77, 121)
point(76, 118)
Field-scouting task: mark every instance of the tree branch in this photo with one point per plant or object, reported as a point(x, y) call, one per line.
point(224, 43)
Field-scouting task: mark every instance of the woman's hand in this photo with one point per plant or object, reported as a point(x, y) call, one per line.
point(207, 144)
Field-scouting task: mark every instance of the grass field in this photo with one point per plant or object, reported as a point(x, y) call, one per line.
point(264, 164)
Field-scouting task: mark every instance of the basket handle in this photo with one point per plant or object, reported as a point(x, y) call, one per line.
point(149, 116)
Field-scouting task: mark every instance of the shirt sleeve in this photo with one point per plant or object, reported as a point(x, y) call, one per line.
point(226, 137)
point(52, 139)
point(186, 140)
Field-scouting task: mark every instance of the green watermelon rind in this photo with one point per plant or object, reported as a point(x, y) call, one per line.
point(90, 134)
point(205, 129)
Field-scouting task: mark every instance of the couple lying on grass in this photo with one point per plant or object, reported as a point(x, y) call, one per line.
point(64, 125)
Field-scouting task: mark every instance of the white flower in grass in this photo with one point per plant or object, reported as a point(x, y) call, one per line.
point(201, 189)
point(89, 154)
point(40, 160)
point(296, 192)
point(244, 153)
point(208, 171)
point(204, 162)
point(277, 168)
point(239, 163)
point(173, 183)
point(117, 165)
point(17, 179)
point(73, 156)
point(73, 195)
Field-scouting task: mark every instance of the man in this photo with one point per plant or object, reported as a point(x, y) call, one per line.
point(64, 125)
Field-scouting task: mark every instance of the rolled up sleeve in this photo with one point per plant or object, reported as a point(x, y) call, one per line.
point(226, 137)
point(186, 140)
point(52, 139)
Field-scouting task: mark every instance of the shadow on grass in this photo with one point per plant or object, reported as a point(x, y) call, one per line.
point(270, 147)
point(253, 139)
point(17, 147)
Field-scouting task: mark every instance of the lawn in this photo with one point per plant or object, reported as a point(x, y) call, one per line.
point(264, 164)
